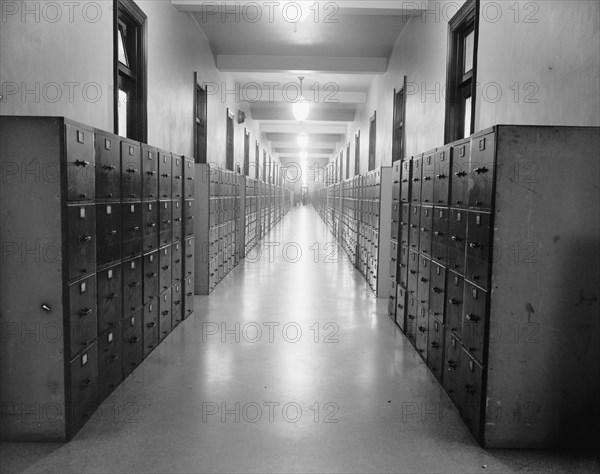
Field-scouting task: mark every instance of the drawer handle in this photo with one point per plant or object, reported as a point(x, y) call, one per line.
point(423, 229)
point(114, 357)
point(437, 233)
point(177, 219)
point(460, 174)
point(85, 312)
point(85, 238)
point(410, 316)
point(177, 177)
point(150, 173)
point(396, 182)
point(451, 364)
point(134, 339)
point(111, 232)
point(86, 383)
point(151, 324)
point(109, 167)
point(189, 255)
point(441, 176)
point(177, 302)
point(435, 289)
point(427, 178)
point(152, 224)
point(134, 284)
point(189, 294)
point(472, 317)
point(435, 345)
point(166, 267)
point(112, 296)
point(166, 221)
point(177, 261)
point(424, 280)
point(455, 238)
point(469, 388)
point(453, 301)
point(82, 163)
point(134, 228)
point(131, 170)
point(165, 175)
point(415, 179)
point(151, 274)
point(421, 328)
point(165, 312)
point(474, 245)
point(483, 169)
point(191, 179)
point(46, 308)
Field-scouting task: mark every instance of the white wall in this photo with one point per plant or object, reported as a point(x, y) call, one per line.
point(76, 49)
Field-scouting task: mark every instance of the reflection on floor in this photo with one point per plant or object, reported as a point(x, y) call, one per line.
point(290, 365)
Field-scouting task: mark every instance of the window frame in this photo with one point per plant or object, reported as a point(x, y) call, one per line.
point(372, 142)
point(200, 150)
point(399, 123)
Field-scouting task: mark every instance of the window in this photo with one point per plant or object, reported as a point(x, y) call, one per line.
point(229, 142)
point(246, 152)
point(199, 122)
point(461, 74)
point(372, 142)
point(357, 153)
point(130, 114)
point(264, 167)
point(348, 161)
point(257, 160)
point(398, 130)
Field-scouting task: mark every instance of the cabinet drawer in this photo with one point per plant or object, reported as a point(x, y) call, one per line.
point(82, 399)
point(474, 320)
point(457, 240)
point(189, 172)
point(150, 326)
point(166, 222)
point(188, 300)
point(401, 307)
point(415, 229)
point(437, 290)
point(110, 363)
point(81, 231)
point(395, 220)
point(188, 261)
point(478, 248)
point(454, 304)
point(108, 165)
point(80, 165)
point(396, 176)
point(164, 174)
point(132, 286)
point(393, 260)
point(421, 333)
point(392, 302)
point(412, 309)
point(471, 392)
point(177, 210)
point(404, 223)
point(132, 342)
point(423, 283)
point(481, 176)
point(131, 170)
point(443, 169)
point(132, 229)
point(451, 377)
point(177, 262)
point(459, 186)
point(164, 308)
point(403, 266)
point(435, 346)
point(150, 226)
point(83, 317)
point(177, 182)
point(108, 233)
point(149, 172)
point(415, 195)
point(177, 304)
point(427, 177)
point(165, 270)
point(405, 180)
point(413, 272)
point(426, 227)
point(110, 298)
point(439, 238)
point(151, 277)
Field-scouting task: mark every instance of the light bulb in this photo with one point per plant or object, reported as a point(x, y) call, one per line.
point(300, 109)
point(302, 140)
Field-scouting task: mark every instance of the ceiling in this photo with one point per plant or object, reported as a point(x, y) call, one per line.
point(338, 47)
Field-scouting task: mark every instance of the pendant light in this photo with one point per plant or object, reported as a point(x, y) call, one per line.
point(300, 108)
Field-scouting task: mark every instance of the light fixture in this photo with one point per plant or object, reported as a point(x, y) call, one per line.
point(302, 140)
point(303, 154)
point(300, 108)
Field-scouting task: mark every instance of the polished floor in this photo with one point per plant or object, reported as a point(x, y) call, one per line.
point(291, 365)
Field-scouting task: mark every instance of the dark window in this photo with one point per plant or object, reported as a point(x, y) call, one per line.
point(257, 160)
point(461, 75)
point(229, 142)
point(348, 161)
point(399, 114)
point(372, 141)
point(199, 122)
point(264, 166)
point(357, 153)
point(246, 152)
point(130, 116)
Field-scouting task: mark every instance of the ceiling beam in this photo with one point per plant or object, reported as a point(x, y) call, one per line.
point(249, 92)
point(332, 115)
point(309, 127)
point(300, 64)
point(291, 137)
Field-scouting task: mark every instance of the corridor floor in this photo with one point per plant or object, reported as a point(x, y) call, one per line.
point(291, 365)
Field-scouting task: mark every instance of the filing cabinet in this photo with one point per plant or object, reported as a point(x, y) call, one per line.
point(177, 213)
point(415, 228)
point(405, 223)
point(423, 281)
point(132, 228)
point(422, 324)
point(149, 173)
point(521, 252)
point(406, 180)
point(166, 222)
point(427, 177)
point(132, 285)
point(177, 262)
point(393, 260)
point(401, 307)
point(403, 266)
point(188, 218)
point(426, 229)
point(150, 225)
point(166, 268)
point(110, 361)
point(164, 318)
point(165, 166)
point(189, 174)
point(188, 299)
point(91, 219)
point(108, 233)
point(107, 152)
point(132, 342)
point(131, 170)
point(177, 304)
point(177, 181)
point(110, 297)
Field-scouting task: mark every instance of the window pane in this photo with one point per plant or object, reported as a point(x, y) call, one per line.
point(122, 50)
point(468, 45)
point(467, 130)
point(122, 113)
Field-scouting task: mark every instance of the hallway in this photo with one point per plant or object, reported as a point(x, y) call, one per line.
point(289, 366)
